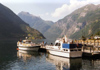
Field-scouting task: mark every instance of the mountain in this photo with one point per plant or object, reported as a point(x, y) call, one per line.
point(35, 22)
point(11, 26)
point(92, 20)
point(83, 21)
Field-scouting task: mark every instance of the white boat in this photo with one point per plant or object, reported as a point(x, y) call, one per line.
point(65, 49)
point(27, 45)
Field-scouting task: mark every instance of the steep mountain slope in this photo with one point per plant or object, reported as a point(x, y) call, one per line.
point(35, 22)
point(83, 19)
point(11, 26)
point(89, 30)
point(92, 20)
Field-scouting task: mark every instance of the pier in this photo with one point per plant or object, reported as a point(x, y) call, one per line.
point(90, 47)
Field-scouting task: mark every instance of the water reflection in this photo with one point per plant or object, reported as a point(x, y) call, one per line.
point(65, 63)
point(90, 63)
point(26, 55)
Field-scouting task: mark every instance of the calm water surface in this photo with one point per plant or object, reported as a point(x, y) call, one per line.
point(11, 59)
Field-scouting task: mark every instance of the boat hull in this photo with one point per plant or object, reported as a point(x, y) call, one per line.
point(73, 54)
point(27, 48)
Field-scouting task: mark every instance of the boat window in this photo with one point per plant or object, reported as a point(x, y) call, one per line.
point(28, 41)
point(65, 49)
point(57, 44)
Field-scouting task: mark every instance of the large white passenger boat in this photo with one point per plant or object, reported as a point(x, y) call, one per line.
point(65, 49)
point(27, 45)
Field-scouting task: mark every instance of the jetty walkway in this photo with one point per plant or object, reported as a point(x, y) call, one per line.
point(90, 47)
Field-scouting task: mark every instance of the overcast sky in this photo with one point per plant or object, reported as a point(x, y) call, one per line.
point(47, 9)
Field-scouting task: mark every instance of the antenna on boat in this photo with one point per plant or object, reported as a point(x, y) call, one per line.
point(66, 39)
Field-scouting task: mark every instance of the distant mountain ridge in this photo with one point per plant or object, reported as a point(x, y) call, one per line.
point(35, 22)
point(11, 26)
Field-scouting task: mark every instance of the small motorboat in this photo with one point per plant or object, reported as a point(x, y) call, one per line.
point(27, 45)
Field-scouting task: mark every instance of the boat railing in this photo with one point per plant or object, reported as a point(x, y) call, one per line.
point(26, 44)
point(49, 47)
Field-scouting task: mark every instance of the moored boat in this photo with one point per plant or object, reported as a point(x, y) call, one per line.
point(27, 45)
point(64, 48)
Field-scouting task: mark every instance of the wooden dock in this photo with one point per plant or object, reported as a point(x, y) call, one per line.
point(90, 47)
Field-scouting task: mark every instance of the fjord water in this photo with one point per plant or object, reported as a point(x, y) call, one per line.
point(11, 59)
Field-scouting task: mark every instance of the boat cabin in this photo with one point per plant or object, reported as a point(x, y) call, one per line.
point(27, 41)
point(67, 46)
